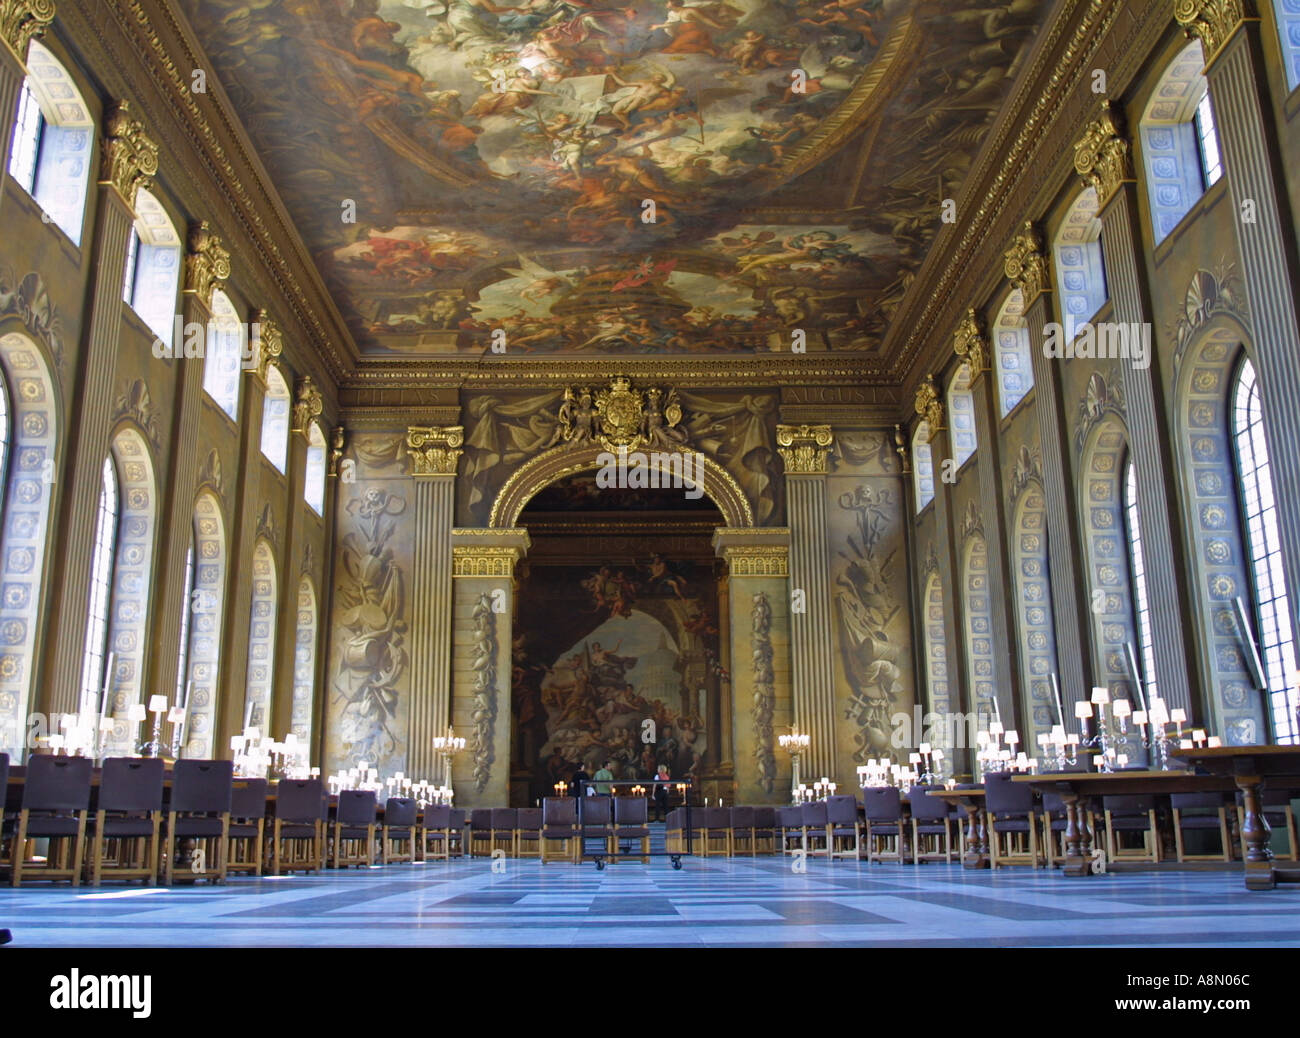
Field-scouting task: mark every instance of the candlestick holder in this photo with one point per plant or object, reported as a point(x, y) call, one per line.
point(795, 744)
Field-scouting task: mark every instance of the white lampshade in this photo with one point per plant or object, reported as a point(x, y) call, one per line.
point(237, 743)
point(1101, 695)
point(1082, 710)
point(1122, 708)
point(157, 704)
point(1213, 742)
point(135, 712)
point(1139, 717)
point(290, 740)
point(1178, 715)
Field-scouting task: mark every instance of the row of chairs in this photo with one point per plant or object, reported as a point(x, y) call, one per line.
point(210, 826)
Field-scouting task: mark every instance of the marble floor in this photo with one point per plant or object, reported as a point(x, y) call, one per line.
point(709, 903)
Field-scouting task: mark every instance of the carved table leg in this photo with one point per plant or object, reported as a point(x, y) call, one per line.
point(1076, 862)
point(1255, 833)
point(976, 856)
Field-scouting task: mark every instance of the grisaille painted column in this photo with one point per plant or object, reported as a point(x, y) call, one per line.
point(1102, 157)
point(482, 604)
point(128, 159)
point(1026, 266)
point(971, 343)
point(207, 264)
point(20, 21)
point(1270, 267)
point(434, 452)
point(337, 473)
point(758, 563)
point(805, 450)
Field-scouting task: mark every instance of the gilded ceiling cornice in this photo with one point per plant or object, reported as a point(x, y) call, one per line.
point(1017, 168)
point(163, 45)
point(1103, 156)
point(1213, 21)
point(20, 20)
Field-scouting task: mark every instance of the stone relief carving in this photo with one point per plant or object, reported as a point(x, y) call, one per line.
point(764, 690)
point(484, 666)
point(1209, 293)
point(1026, 469)
point(972, 522)
point(30, 302)
point(1102, 396)
point(210, 474)
point(136, 405)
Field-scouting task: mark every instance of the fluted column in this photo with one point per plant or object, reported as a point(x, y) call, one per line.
point(805, 449)
point(1027, 269)
point(482, 622)
point(207, 264)
point(1249, 141)
point(435, 453)
point(20, 21)
point(759, 633)
point(972, 344)
point(129, 160)
point(1102, 158)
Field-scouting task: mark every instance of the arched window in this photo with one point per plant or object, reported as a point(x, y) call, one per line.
point(304, 662)
point(1180, 145)
point(314, 486)
point(54, 137)
point(1272, 610)
point(205, 605)
point(102, 563)
point(1138, 578)
point(1080, 266)
point(961, 416)
point(187, 619)
point(1011, 354)
point(922, 466)
point(936, 664)
point(153, 269)
point(979, 629)
point(224, 358)
point(261, 640)
point(1287, 15)
point(275, 418)
point(5, 436)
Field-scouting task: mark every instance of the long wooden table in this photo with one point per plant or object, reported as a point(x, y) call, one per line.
point(977, 836)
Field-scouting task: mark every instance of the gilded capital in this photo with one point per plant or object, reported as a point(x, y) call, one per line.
point(900, 448)
point(491, 552)
point(207, 263)
point(1212, 21)
point(929, 405)
point(1103, 156)
point(307, 405)
point(338, 439)
point(971, 343)
point(757, 560)
point(267, 344)
point(130, 158)
point(434, 449)
point(20, 20)
point(1025, 263)
point(805, 449)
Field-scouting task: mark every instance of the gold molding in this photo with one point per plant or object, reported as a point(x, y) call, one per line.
point(929, 405)
point(1025, 263)
point(971, 343)
point(757, 560)
point(307, 405)
point(267, 342)
point(20, 20)
point(1211, 21)
point(434, 449)
point(337, 440)
point(207, 263)
point(805, 449)
point(1103, 156)
point(129, 157)
point(483, 561)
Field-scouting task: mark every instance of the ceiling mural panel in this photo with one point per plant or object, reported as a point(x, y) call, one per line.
point(600, 178)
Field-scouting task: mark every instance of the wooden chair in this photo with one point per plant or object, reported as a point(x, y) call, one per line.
point(931, 827)
point(765, 829)
point(596, 821)
point(56, 799)
point(1012, 821)
point(843, 828)
point(398, 831)
point(199, 810)
point(435, 832)
point(812, 822)
point(528, 829)
point(352, 834)
point(1131, 814)
point(789, 828)
point(480, 832)
point(505, 821)
point(631, 822)
point(297, 835)
point(456, 830)
point(883, 807)
point(1181, 803)
point(246, 833)
point(742, 831)
point(559, 825)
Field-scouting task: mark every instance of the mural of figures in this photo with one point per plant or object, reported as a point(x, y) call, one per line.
point(612, 662)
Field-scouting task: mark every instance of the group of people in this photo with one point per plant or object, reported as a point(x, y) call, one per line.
point(584, 783)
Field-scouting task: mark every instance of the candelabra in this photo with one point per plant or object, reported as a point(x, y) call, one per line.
point(1158, 717)
point(795, 745)
point(446, 747)
point(157, 707)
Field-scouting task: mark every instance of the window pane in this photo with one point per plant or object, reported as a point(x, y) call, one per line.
point(93, 678)
point(1208, 138)
point(1137, 566)
point(27, 140)
point(1272, 613)
point(132, 254)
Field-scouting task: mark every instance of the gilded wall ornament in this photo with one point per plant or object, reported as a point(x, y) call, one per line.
point(1211, 21)
point(900, 448)
point(20, 20)
point(929, 405)
point(971, 343)
point(805, 449)
point(1025, 263)
point(483, 664)
point(307, 405)
point(764, 690)
point(1102, 156)
point(207, 262)
point(434, 449)
point(129, 159)
point(620, 418)
point(757, 560)
point(267, 344)
point(337, 441)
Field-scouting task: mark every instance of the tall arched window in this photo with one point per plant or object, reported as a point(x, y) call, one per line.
point(187, 618)
point(1272, 612)
point(54, 137)
point(261, 639)
point(1138, 579)
point(922, 466)
point(4, 439)
point(1080, 265)
point(304, 662)
point(1011, 353)
point(275, 418)
point(961, 412)
point(224, 359)
point(102, 564)
point(153, 270)
point(314, 486)
point(1287, 15)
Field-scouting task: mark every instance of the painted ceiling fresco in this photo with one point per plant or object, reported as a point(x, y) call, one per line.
point(598, 178)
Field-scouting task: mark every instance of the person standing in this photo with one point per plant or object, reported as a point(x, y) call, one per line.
point(662, 777)
point(580, 776)
point(603, 777)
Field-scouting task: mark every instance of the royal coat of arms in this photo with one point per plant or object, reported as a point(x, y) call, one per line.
point(621, 418)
